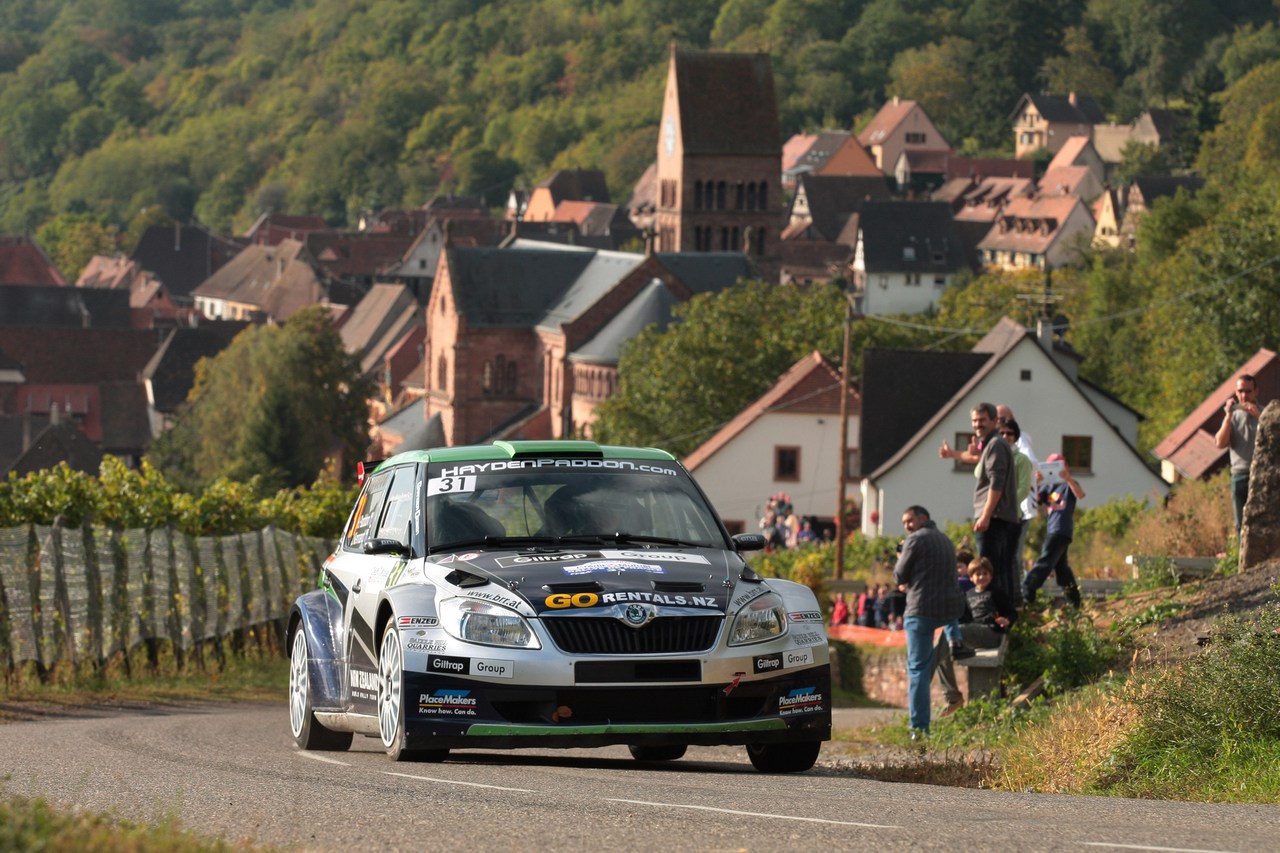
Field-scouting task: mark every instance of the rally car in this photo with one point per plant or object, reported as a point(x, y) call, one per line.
point(553, 594)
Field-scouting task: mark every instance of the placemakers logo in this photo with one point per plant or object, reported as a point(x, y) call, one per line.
point(802, 700)
point(448, 703)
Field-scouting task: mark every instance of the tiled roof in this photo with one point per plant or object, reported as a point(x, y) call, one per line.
point(1030, 224)
point(891, 228)
point(279, 280)
point(577, 185)
point(22, 261)
point(373, 315)
point(1070, 153)
point(511, 287)
point(832, 199)
point(727, 103)
point(884, 121)
point(51, 356)
point(63, 307)
point(182, 256)
point(50, 444)
point(1060, 109)
point(171, 370)
point(1065, 180)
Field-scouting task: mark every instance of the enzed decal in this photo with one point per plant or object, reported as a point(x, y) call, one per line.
point(670, 557)
point(806, 616)
point(802, 700)
point(617, 566)
point(418, 622)
point(448, 703)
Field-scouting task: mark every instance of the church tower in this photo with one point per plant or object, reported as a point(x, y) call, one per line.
point(719, 155)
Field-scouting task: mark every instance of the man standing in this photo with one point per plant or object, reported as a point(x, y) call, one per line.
point(1028, 506)
point(927, 570)
point(997, 519)
point(1238, 431)
point(1059, 498)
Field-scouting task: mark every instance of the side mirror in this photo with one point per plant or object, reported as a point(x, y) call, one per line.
point(386, 546)
point(749, 541)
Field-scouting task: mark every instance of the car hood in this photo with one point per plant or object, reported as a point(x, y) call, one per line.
point(577, 579)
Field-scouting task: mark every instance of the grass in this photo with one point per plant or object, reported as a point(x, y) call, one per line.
point(32, 824)
point(252, 676)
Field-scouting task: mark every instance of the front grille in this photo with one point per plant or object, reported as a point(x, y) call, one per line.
point(577, 635)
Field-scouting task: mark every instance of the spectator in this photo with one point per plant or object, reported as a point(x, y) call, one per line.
point(1022, 466)
point(963, 559)
point(926, 572)
point(806, 536)
point(1238, 432)
point(1028, 508)
point(839, 611)
point(881, 612)
point(1059, 499)
point(988, 614)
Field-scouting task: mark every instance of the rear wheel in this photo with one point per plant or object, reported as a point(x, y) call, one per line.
point(307, 732)
point(783, 757)
point(668, 752)
point(391, 701)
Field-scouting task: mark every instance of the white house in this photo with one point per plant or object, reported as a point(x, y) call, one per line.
point(1013, 367)
point(788, 440)
point(906, 255)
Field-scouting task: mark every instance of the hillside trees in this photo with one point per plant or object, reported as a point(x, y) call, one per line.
point(721, 352)
point(276, 404)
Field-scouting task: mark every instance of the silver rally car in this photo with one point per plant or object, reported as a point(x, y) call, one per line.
point(553, 594)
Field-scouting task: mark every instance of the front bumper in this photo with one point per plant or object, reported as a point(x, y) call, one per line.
point(443, 712)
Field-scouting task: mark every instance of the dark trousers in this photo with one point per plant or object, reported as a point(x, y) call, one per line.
point(975, 636)
point(998, 543)
point(1239, 496)
point(1053, 558)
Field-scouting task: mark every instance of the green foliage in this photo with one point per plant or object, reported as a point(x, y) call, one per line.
point(122, 498)
point(1069, 652)
point(72, 239)
point(847, 667)
point(273, 407)
point(1210, 727)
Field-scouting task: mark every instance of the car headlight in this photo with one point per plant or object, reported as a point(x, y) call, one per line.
point(487, 624)
point(763, 618)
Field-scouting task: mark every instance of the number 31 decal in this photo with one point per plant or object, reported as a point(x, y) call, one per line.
point(450, 485)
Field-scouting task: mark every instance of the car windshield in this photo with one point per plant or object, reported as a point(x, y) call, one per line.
point(545, 501)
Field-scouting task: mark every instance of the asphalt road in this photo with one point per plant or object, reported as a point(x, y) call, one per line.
point(234, 771)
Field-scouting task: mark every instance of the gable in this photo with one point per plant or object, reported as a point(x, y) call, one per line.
point(511, 287)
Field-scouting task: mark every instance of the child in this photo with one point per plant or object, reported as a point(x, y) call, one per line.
point(988, 613)
point(1060, 501)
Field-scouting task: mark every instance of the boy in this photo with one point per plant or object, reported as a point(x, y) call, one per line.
point(987, 616)
point(1060, 501)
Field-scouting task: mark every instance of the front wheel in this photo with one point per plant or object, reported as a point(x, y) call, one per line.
point(783, 757)
point(307, 732)
point(391, 700)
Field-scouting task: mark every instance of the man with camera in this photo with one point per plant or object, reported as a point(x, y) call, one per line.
point(1237, 434)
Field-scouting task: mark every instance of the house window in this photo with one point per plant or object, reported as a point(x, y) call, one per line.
point(962, 442)
point(786, 464)
point(442, 373)
point(1078, 451)
point(908, 253)
point(939, 281)
point(697, 195)
point(735, 527)
point(1025, 376)
point(760, 241)
point(762, 196)
point(720, 195)
point(853, 464)
point(915, 139)
point(884, 282)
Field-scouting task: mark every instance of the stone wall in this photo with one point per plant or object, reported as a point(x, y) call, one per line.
point(884, 677)
point(1260, 533)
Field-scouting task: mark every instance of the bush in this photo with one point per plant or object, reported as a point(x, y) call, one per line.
point(1069, 652)
point(1210, 730)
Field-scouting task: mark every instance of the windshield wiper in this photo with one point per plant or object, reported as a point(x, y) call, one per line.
point(621, 538)
point(505, 541)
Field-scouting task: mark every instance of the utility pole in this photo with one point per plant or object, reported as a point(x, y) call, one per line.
point(844, 437)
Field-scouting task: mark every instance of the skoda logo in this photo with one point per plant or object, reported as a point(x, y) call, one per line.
point(639, 615)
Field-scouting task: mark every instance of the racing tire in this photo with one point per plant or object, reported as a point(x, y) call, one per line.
point(783, 757)
point(668, 752)
point(391, 701)
point(307, 731)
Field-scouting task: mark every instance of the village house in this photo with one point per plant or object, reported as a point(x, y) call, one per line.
point(1033, 373)
point(786, 440)
point(1048, 121)
point(833, 153)
point(1039, 232)
point(263, 282)
point(907, 253)
point(900, 125)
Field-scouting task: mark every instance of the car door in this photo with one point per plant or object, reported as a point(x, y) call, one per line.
point(383, 513)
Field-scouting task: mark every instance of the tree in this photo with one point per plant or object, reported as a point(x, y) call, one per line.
point(1138, 160)
point(275, 405)
point(72, 239)
point(721, 352)
point(1081, 68)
